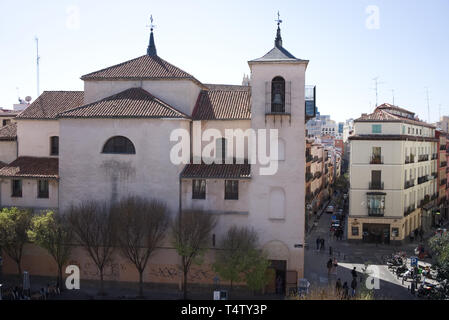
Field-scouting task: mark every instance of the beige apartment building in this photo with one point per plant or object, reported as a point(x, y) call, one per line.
point(393, 170)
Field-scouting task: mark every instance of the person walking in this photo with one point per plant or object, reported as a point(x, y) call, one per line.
point(338, 287)
point(345, 289)
point(329, 266)
point(421, 234)
point(318, 243)
point(335, 265)
point(353, 286)
point(354, 273)
point(322, 244)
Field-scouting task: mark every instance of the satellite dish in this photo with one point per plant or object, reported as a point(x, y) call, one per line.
point(27, 98)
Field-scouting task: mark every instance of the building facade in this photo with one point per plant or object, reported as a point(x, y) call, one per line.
point(393, 165)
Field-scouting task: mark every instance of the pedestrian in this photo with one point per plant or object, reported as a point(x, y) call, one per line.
point(413, 287)
point(354, 273)
point(329, 266)
point(421, 234)
point(322, 244)
point(345, 290)
point(353, 286)
point(318, 243)
point(330, 251)
point(338, 287)
point(335, 265)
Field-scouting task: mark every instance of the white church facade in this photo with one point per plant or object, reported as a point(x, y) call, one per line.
point(112, 140)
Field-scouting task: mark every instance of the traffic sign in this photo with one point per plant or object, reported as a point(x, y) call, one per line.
point(414, 261)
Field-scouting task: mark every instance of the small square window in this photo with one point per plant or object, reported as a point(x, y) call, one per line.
point(395, 232)
point(198, 189)
point(231, 189)
point(42, 189)
point(16, 188)
point(355, 231)
point(377, 128)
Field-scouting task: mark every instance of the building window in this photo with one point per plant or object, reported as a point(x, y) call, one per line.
point(54, 146)
point(376, 204)
point(395, 232)
point(42, 189)
point(6, 121)
point(355, 231)
point(198, 189)
point(377, 128)
point(231, 189)
point(278, 94)
point(16, 188)
point(119, 145)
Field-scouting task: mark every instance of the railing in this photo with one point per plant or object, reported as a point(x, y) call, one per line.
point(377, 212)
point(443, 164)
point(443, 182)
point(309, 158)
point(309, 176)
point(315, 159)
point(409, 210)
point(443, 147)
point(409, 184)
point(422, 179)
point(376, 159)
point(423, 157)
point(410, 159)
point(376, 185)
point(434, 156)
point(317, 175)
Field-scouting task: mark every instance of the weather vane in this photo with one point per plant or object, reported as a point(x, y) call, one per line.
point(278, 20)
point(151, 23)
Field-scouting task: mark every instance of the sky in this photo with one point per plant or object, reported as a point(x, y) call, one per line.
point(403, 43)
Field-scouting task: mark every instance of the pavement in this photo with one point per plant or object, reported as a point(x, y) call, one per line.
point(350, 255)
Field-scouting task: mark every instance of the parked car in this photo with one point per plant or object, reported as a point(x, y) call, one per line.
point(330, 209)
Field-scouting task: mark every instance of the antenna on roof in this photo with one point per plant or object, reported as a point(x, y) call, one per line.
point(428, 104)
point(376, 88)
point(392, 91)
point(37, 64)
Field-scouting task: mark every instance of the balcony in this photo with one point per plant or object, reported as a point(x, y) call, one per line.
point(409, 184)
point(309, 176)
point(317, 175)
point(409, 210)
point(434, 156)
point(422, 179)
point(443, 147)
point(443, 164)
point(376, 159)
point(309, 158)
point(423, 157)
point(376, 212)
point(443, 182)
point(376, 185)
point(315, 159)
point(410, 159)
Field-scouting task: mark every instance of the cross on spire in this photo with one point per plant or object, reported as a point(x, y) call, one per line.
point(278, 40)
point(151, 51)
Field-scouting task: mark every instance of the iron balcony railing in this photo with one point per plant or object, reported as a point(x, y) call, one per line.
point(409, 184)
point(443, 147)
point(376, 185)
point(443, 182)
point(375, 159)
point(423, 157)
point(422, 179)
point(434, 156)
point(409, 210)
point(410, 159)
point(377, 212)
point(443, 164)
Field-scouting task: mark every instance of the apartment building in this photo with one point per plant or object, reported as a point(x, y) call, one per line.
point(393, 171)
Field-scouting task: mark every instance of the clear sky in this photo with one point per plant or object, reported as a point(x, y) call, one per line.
point(348, 42)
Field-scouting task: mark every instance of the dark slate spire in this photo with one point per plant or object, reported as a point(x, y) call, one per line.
point(151, 51)
point(278, 40)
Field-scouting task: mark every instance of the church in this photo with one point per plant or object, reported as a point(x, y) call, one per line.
point(113, 140)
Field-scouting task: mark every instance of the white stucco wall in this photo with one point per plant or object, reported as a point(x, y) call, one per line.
point(86, 173)
point(29, 197)
point(8, 151)
point(180, 94)
point(33, 137)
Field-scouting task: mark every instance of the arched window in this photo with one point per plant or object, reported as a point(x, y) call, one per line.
point(119, 144)
point(278, 94)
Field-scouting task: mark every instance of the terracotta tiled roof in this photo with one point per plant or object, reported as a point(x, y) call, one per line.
point(8, 132)
point(223, 102)
point(31, 167)
point(50, 103)
point(144, 67)
point(381, 114)
point(216, 171)
point(131, 103)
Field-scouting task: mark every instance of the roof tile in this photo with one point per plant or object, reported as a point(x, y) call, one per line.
point(31, 167)
point(8, 132)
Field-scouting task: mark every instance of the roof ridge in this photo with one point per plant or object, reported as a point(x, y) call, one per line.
point(113, 66)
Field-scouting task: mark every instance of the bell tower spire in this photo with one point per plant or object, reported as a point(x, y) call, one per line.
point(278, 40)
point(151, 51)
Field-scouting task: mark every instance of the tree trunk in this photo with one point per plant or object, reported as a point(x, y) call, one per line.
point(61, 287)
point(101, 283)
point(185, 284)
point(140, 283)
point(19, 269)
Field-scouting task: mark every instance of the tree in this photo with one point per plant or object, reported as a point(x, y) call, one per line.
point(440, 248)
point(256, 276)
point(191, 231)
point(237, 248)
point(141, 227)
point(94, 228)
point(53, 233)
point(14, 224)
